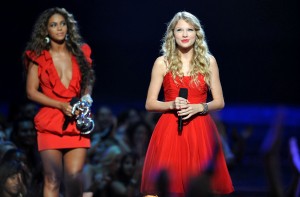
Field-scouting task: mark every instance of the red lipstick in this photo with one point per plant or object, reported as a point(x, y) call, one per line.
point(185, 40)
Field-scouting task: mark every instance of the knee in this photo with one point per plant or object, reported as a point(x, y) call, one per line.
point(74, 176)
point(52, 182)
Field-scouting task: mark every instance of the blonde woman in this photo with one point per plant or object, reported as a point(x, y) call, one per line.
point(185, 153)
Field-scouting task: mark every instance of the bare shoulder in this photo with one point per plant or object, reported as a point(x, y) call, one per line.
point(160, 65)
point(213, 65)
point(212, 59)
point(160, 60)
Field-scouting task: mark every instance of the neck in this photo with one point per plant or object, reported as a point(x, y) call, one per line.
point(58, 47)
point(186, 54)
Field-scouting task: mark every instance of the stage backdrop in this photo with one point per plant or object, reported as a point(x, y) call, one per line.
point(256, 44)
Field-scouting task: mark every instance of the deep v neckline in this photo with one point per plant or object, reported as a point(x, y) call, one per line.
point(57, 75)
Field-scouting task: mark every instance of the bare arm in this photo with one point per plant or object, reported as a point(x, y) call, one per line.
point(216, 89)
point(32, 86)
point(157, 76)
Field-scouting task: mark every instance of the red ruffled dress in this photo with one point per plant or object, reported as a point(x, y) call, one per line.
point(187, 155)
point(48, 121)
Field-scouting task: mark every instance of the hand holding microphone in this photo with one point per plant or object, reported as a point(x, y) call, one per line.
point(185, 109)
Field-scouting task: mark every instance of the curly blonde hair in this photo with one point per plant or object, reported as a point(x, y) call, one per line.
point(200, 61)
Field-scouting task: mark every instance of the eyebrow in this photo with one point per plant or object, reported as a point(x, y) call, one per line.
point(184, 28)
point(59, 21)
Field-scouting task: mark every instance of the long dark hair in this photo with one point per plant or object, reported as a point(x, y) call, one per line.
point(74, 42)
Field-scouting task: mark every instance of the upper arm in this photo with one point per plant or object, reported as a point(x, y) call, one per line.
point(157, 76)
point(215, 85)
point(32, 82)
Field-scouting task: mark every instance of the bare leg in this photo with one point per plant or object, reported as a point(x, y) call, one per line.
point(73, 164)
point(52, 164)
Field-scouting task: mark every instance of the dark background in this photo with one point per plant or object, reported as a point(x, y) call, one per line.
point(256, 44)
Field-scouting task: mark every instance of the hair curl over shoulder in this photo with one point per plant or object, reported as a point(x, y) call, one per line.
point(200, 61)
point(74, 42)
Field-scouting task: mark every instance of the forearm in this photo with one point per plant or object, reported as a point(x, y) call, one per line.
point(159, 106)
point(42, 99)
point(215, 105)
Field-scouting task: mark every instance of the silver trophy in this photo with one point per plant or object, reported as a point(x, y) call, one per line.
point(85, 124)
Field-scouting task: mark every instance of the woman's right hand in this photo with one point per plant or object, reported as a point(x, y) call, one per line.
point(66, 108)
point(179, 103)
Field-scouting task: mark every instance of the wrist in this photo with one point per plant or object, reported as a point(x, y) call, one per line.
point(204, 109)
point(60, 105)
point(172, 106)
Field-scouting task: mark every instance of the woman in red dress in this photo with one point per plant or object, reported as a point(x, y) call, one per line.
point(59, 68)
point(186, 63)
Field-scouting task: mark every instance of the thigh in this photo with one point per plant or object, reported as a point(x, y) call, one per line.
point(74, 160)
point(52, 161)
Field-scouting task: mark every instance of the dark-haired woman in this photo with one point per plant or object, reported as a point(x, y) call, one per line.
point(59, 68)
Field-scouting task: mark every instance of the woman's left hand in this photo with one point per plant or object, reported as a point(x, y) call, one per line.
point(188, 110)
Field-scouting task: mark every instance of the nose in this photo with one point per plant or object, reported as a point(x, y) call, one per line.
point(185, 33)
point(59, 27)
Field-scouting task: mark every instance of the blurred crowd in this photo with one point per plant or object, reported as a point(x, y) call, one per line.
point(114, 164)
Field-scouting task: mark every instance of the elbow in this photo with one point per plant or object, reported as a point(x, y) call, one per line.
point(147, 106)
point(30, 95)
point(221, 104)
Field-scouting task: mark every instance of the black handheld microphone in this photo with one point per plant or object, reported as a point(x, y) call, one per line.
point(183, 92)
point(67, 118)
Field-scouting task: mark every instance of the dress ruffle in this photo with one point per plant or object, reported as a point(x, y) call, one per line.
point(49, 121)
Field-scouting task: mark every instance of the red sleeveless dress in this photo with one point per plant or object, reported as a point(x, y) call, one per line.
point(48, 121)
point(187, 155)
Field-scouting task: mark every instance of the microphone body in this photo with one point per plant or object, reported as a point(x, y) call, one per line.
point(183, 92)
point(67, 118)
